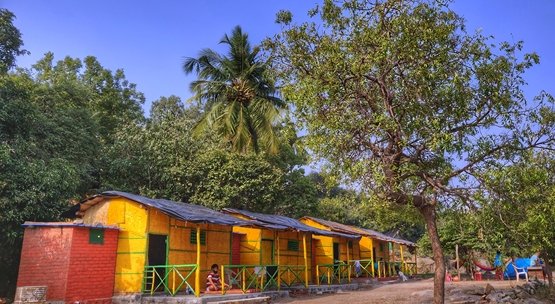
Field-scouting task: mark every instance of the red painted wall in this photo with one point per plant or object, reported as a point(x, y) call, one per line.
point(62, 259)
point(91, 267)
point(236, 249)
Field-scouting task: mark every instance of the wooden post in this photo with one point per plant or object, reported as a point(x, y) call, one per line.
point(415, 262)
point(244, 279)
point(372, 257)
point(173, 281)
point(305, 261)
point(348, 265)
point(457, 257)
point(197, 272)
point(317, 275)
point(278, 262)
point(403, 268)
point(223, 281)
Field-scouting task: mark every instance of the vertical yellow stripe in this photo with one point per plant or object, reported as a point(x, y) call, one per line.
point(372, 256)
point(223, 280)
point(278, 262)
point(197, 272)
point(305, 261)
point(402, 260)
point(348, 265)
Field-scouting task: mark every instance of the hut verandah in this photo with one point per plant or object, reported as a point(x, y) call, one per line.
point(288, 249)
point(374, 254)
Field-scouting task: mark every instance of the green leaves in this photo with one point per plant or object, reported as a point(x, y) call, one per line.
point(242, 103)
point(10, 41)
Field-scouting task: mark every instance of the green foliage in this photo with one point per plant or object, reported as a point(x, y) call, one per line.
point(55, 122)
point(46, 157)
point(238, 93)
point(397, 97)
point(148, 159)
point(10, 41)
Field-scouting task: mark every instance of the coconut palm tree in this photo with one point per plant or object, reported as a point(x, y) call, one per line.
point(241, 97)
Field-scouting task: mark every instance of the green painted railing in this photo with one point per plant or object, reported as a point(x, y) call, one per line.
point(262, 277)
point(333, 273)
point(168, 278)
point(365, 268)
point(410, 268)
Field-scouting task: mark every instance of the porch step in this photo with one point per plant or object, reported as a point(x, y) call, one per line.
point(257, 300)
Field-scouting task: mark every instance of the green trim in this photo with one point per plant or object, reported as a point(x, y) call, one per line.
point(131, 238)
point(293, 245)
point(186, 250)
point(193, 237)
point(96, 236)
point(194, 228)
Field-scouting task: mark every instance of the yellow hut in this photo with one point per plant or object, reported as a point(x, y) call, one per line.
point(373, 255)
point(287, 247)
point(162, 245)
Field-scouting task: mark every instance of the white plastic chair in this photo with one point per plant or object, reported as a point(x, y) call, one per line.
point(519, 271)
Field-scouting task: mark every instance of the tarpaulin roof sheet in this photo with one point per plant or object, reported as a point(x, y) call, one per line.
point(182, 211)
point(30, 224)
point(288, 222)
point(334, 226)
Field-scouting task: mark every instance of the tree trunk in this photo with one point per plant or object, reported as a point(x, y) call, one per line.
point(429, 214)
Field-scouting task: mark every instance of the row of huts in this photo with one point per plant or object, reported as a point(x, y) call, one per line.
point(122, 243)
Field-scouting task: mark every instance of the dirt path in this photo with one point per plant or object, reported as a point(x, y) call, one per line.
point(402, 293)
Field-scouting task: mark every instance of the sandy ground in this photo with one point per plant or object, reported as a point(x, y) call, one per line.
point(415, 292)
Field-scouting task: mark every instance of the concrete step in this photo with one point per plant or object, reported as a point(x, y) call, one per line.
point(257, 300)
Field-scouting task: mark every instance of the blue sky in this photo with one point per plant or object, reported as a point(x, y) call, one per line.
point(149, 39)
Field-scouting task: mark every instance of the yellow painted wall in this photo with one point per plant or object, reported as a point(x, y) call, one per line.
point(132, 219)
point(137, 221)
point(324, 245)
point(250, 245)
point(366, 245)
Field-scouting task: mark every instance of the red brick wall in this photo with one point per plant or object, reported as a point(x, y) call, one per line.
point(45, 259)
point(91, 268)
point(62, 259)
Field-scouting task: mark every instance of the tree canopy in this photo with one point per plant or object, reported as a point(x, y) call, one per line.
point(239, 94)
point(398, 97)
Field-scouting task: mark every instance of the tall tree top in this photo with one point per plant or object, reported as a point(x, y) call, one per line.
point(10, 41)
point(239, 94)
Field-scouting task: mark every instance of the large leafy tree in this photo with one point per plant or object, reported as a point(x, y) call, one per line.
point(148, 159)
point(398, 97)
point(56, 120)
point(10, 41)
point(239, 94)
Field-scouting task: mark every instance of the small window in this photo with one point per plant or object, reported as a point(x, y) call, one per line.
point(350, 244)
point(381, 247)
point(293, 245)
point(96, 236)
point(193, 237)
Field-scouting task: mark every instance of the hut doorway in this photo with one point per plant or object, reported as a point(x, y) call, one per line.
point(335, 252)
point(157, 257)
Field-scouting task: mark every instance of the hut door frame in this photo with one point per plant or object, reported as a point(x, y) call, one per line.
point(160, 252)
point(336, 253)
point(262, 254)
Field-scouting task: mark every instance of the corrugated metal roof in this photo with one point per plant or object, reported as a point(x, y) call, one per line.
point(334, 226)
point(288, 222)
point(30, 224)
point(182, 211)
